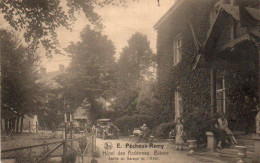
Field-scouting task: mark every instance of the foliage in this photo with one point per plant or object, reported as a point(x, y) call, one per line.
point(40, 19)
point(163, 130)
point(196, 124)
point(70, 157)
point(126, 124)
point(82, 143)
point(96, 154)
point(25, 157)
point(91, 72)
point(149, 103)
point(51, 113)
point(135, 60)
point(20, 92)
point(194, 86)
point(126, 103)
point(44, 152)
point(133, 68)
point(51, 119)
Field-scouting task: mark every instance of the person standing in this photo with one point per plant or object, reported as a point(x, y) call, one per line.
point(179, 135)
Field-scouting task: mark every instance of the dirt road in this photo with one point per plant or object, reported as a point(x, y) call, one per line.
point(126, 151)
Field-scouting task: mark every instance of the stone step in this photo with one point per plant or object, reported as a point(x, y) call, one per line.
point(246, 142)
point(234, 158)
point(224, 157)
point(247, 136)
point(250, 148)
point(231, 152)
point(235, 133)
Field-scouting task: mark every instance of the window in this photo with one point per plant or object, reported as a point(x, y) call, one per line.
point(177, 44)
point(178, 104)
point(221, 95)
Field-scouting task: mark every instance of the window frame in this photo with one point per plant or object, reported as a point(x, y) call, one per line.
point(178, 103)
point(177, 52)
point(222, 90)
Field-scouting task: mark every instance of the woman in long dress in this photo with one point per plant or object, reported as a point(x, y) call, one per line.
point(179, 133)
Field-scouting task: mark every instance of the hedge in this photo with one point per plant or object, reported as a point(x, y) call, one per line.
point(126, 124)
point(163, 130)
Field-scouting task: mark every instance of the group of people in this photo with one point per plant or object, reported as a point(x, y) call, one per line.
point(220, 130)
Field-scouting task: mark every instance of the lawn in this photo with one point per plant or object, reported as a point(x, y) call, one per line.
point(28, 139)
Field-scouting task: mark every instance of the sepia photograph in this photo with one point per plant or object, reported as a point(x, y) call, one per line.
point(130, 81)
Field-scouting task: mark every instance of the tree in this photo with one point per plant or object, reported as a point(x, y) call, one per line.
point(91, 72)
point(133, 68)
point(40, 18)
point(149, 103)
point(19, 90)
point(135, 60)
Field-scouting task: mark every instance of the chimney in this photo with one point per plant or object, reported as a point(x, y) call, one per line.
point(43, 71)
point(61, 67)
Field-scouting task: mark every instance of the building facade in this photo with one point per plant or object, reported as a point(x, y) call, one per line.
point(208, 59)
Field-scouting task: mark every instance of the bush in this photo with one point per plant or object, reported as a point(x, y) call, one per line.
point(163, 130)
point(82, 143)
point(196, 124)
point(25, 157)
point(70, 157)
point(29, 157)
point(126, 124)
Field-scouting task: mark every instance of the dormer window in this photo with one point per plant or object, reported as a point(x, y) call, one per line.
point(177, 44)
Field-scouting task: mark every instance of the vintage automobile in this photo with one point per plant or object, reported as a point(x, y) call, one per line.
point(106, 129)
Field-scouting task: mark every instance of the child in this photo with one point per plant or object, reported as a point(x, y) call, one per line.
point(179, 133)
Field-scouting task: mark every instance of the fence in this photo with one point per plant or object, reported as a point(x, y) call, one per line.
point(30, 127)
point(79, 146)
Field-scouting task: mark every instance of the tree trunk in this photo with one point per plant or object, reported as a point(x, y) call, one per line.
point(2, 125)
point(17, 124)
point(13, 124)
point(21, 129)
point(10, 125)
point(6, 126)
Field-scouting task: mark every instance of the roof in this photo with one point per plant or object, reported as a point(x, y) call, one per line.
point(235, 13)
point(80, 113)
point(168, 13)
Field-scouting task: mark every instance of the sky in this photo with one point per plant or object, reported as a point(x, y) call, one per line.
point(120, 23)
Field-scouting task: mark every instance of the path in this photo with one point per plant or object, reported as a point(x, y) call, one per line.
point(126, 151)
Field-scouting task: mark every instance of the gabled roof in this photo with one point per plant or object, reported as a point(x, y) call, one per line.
point(233, 11)
point(168, 13)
